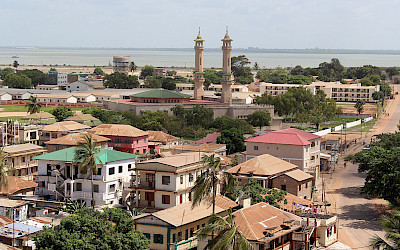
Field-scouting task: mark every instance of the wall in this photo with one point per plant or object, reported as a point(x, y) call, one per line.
point(292, 186)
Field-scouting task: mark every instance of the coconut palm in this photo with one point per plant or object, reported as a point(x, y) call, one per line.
point(391, 224)
point(86, 158)
point(72, 206)
point(33, 106)
point(228, 234)
point(206, 184)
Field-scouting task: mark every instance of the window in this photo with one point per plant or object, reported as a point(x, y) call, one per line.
point(137, 141)
point(191, 232)
point(165, 180)
point(313, 144)
point(173, 237)
point(299, 187)
point(144, 140)
point(306, 184)
point(117, 140)
point(255, 147)
point(99, 171)
point(312, 158)
point(111, 171)
point(129, 166)
point(190, 196)
point(283, 187)
point(112, 188)
point(179, 236)
point(166, 199)
point(78, 186)
point(128, 141)
point(190, 177)
point(181, 198)
point(150, 177)
point(120, 169)
point(96, 188)
point(147, 235)
point(198, 227)
point(181, 179)
point(158, 238)
point(186, 234)
point(23, 159)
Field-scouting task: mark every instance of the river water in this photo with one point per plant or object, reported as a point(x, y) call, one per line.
point(185, 57)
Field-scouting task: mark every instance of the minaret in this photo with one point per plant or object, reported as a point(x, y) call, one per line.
point(198, 74)
point(226, 82)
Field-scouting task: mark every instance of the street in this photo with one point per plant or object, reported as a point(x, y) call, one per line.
point(358, 217)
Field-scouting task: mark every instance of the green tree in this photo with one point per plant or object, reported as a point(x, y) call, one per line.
point(33, 105)
point(392, 71)
point(212, 77)
point(15, 64)
point(154, 82)
point(225, 122)
point(259, 118)
point(147, 70)
point(228, 234)
point(18, 81)
point(73, 206)
point(332, 71)
point(256, 66)
point(92, 229)
point(168, 83)
point(386, 89)
point(298, 70)
point(299, 79)
point(206, 184)
point(359, 106)
point(379, 96)
point(53, 69)
point(239, 66)
point(4, 72)
point(132, 67)
point(234, 140)
point(61, 113)
point(199, 115)
point(121, 81)
point(86, 158)
point(171, 72)
point(98, 71)
point(37, 77)
point(391, 224)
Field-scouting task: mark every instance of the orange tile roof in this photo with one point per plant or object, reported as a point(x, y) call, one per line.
point(73, 139)
point(178, 160)
point(4, 220)
point(290, 198)
point(117, 130)
point(259, 218)
point(184, 214)
point(298, 175)
point(262, 165)
point(64, 126)
point(160, 136)
point(15, 184)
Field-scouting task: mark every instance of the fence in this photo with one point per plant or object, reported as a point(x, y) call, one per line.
point(54, 104)
point(340, 127)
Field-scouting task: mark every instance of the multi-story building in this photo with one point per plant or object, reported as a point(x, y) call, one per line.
point(166, 182)
point(272, 172)
point(124, 138)
point(293, 145)
point(59, 177)
point(59, 78)
point(20, 158)
point(59, 129)
point(175, 227)
point(14, 132)
point(333, 90)
point(121, 64)
point(72, 140)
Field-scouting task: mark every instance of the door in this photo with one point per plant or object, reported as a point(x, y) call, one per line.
point(149, 196)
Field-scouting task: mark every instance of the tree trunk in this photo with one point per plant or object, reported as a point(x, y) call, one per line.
point(92, 190)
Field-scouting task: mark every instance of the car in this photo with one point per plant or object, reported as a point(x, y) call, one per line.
point(367, 147)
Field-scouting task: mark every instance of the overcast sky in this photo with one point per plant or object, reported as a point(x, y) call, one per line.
point(335, 24)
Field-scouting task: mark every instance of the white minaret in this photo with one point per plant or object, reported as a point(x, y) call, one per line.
point(226, 82)
point(198, 62)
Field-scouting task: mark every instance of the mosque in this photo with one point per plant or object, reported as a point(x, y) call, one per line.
point(163, 100)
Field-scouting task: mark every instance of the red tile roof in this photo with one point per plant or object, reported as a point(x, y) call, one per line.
point(290, 136)
point(210, 138)
point(16, 184)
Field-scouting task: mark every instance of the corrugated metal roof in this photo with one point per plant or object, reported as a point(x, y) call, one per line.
point(298, 175)
point(68, 154)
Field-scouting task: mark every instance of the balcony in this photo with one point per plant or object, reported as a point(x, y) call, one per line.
point(146, 204)
point(85, 195)
point(144, 185)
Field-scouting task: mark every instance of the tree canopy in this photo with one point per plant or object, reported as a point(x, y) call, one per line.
point(259, 118)
point(61, 113)
point(121, 81)
point(4, 72)
point(91, 229)
point(234, 140)
point(147, 70)
point(98, 71)
point(18, 81)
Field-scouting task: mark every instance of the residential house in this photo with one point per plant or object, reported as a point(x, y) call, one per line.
point(29, 133)
point(47, 87)
point(166, 182)
point(20, 158)
point(71, 140)
point(184, 86)
point(272, 172)
point(18, 187)
point(159, 139)
point(14, 209)
point(59, 177)
point(83, 85)
point(124, 138)
point(175, 227)
point(39, 118)
point(56, 98)
point(293, 145)
point(60, 129)
point(86, 119)
point(5, 96)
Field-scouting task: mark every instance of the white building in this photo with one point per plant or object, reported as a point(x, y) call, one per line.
point(14, 209)
point(58, 177)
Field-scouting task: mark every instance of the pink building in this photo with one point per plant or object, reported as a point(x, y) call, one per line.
point(124, 138)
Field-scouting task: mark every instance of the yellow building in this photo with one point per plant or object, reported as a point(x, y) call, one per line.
point(20, 157)
point(175, 227)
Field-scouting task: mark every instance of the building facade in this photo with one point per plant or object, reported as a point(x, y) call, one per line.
point(20, 158)
point(59, 129)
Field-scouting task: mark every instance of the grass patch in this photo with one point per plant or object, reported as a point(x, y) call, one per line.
point(22, 108)
point(367, 126)
point(14, 118)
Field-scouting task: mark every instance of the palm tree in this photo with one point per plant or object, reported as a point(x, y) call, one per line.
point(228, 237)
point(86, 158)
point(33, 106)
point(72, 206)
point(391, 224)
point(206, 184)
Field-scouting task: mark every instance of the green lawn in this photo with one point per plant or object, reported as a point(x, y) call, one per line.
point(367, 126)
point(22, 108)
point(14, 118)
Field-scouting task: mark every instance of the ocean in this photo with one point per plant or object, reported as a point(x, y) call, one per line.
point(185, 57)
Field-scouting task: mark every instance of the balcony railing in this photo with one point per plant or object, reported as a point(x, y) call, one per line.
point(85, 195)
point(145, 185)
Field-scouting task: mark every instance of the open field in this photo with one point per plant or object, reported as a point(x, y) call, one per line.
point(348, 108)
point(22, 108)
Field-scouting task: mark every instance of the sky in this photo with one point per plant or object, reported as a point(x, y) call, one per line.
point(270, 24)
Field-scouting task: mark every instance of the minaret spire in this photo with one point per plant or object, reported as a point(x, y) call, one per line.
point(198, 68)
point(226, 82)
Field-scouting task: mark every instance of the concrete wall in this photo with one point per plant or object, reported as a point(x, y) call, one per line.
point(292, 186)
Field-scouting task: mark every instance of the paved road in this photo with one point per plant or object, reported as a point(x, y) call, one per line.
point(359, 220)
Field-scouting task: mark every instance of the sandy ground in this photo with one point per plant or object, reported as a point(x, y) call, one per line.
point(12, 114)
point(359, 216)
point(349, 108)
